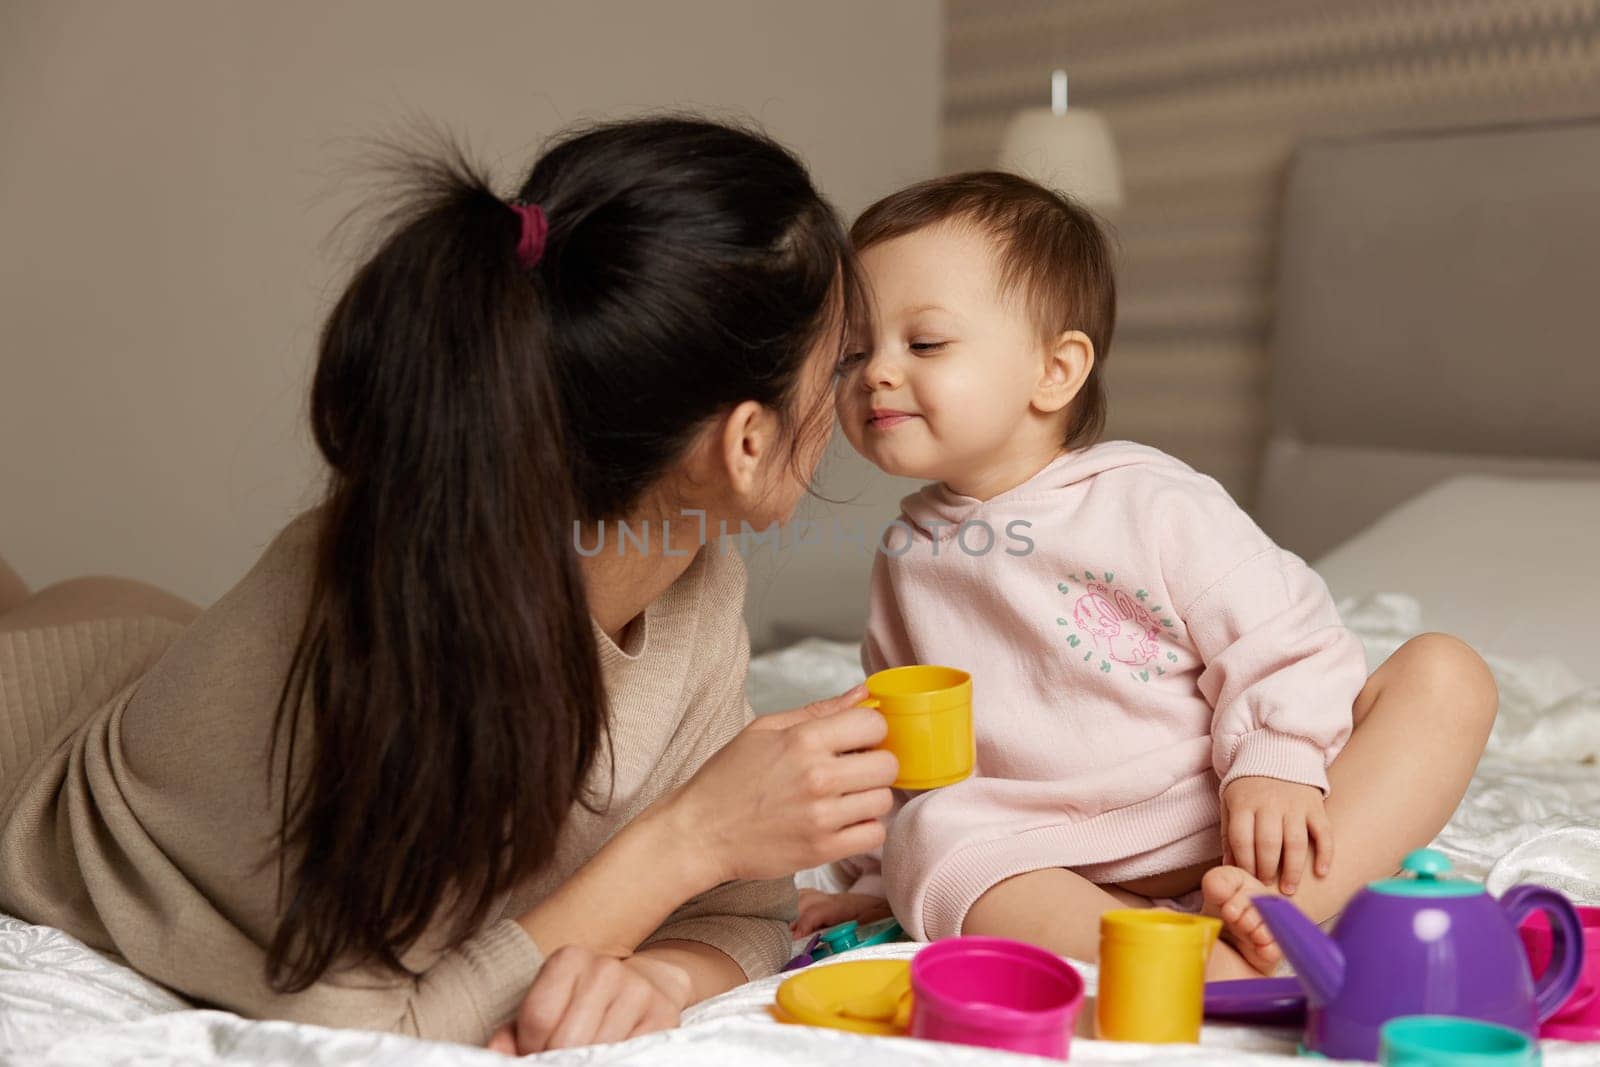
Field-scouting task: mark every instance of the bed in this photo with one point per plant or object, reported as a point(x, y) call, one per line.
point(1440, 465)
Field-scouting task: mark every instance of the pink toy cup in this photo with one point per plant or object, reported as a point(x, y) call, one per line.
point(1579, 1018)
point(995, 993)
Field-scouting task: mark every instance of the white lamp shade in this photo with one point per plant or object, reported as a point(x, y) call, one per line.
point(1072, 152)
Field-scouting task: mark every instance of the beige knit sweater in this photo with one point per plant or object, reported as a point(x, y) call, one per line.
point(137, 808)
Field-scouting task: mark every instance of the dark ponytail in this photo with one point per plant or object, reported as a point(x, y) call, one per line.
point(446, 616)
point(444, 706)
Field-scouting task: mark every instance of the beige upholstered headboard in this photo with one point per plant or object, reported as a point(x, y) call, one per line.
point(1437, 312)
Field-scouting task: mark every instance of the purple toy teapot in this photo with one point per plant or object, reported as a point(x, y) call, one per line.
point(1424, 945)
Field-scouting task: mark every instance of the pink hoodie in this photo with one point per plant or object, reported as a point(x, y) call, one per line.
point(1152, 646)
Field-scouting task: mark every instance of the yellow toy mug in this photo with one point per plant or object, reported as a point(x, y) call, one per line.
point(1153, 975)
point(929, 712)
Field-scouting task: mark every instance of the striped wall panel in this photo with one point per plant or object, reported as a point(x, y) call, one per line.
point(1207, 99)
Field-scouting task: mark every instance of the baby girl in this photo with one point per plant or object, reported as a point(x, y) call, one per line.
point(1169, 711)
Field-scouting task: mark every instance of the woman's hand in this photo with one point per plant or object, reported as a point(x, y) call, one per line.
point(582, 997)
point(792, 791)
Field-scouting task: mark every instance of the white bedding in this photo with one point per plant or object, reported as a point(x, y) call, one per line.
point(1533, 813)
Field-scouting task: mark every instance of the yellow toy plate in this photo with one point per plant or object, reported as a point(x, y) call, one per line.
point(817, 995)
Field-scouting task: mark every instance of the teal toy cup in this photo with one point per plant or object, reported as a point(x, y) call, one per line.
point(1445, 1041)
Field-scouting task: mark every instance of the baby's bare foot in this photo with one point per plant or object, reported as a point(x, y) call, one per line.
point(1227, 892)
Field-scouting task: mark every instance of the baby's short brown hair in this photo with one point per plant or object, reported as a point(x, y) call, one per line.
point(1052, 250)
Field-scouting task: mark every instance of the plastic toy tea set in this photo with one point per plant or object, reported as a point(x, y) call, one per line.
point(1420, 969)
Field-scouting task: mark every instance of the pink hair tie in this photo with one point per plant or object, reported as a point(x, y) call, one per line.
point(530, 246)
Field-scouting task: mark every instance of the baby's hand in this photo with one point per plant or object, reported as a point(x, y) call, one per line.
point(818, 911)
point(1268, 827)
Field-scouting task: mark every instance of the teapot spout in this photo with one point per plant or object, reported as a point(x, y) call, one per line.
point(1316, 959)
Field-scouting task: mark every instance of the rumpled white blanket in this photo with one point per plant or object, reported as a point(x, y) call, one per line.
point(1532, 814)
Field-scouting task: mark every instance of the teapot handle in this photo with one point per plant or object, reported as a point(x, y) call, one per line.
point(1566, 956)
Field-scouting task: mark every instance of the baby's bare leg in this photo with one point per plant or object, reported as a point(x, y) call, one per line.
point(1422, 721)
point(1060, 911)
point(1421, 725)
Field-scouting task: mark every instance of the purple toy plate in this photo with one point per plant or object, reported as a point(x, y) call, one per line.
point(1257, 1000)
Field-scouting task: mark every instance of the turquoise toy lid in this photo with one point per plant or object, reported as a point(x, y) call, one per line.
point(848, 935)
point(1428, 868)
point(842, 937)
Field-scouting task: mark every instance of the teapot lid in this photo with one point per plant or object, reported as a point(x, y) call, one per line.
point(1427, 866)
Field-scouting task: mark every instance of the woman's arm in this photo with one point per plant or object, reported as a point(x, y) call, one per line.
point(710, 970)
point(789, 792)
point(626, 890)
point(595, 989)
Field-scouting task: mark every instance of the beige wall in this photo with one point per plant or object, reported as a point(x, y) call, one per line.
point(169, 173)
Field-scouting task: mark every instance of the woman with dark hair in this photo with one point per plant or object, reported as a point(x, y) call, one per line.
point(435, 764)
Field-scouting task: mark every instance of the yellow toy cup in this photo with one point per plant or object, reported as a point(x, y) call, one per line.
point(1153, 975)
point(929, 712)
